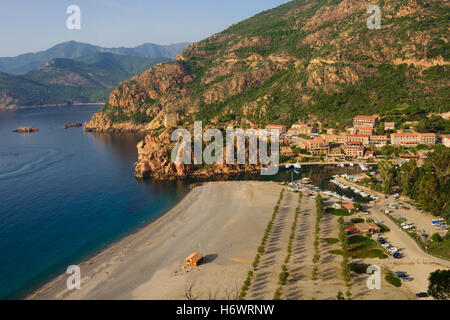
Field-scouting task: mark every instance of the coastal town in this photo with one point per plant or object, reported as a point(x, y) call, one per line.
point(362, 141)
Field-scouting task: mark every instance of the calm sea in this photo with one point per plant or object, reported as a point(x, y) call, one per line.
point(66, 194)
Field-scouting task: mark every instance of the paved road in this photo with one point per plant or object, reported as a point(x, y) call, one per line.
point(415, 261)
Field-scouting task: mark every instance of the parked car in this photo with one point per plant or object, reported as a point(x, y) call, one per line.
point(422, 295)
point(397, 255)
point(406, 279)
point(392, 249)
point(366, 213)
point(400, 274)
point(375, 235)
point(386, 245)
point(379, 221)
point(405, 208)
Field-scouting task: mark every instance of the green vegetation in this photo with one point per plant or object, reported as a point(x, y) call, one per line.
point(392, 279)
point(357, 220)
point(345, 255)
point(427, 185)
point(383, 228)
point(360, 247)
point(261, 249)
point(309, 81)
point(439, 284)
point(339, 212)
point(283, 276)
point(82, 80)
point(319, 215)
point(359, 268)
point(330, 240)
point(436, 237)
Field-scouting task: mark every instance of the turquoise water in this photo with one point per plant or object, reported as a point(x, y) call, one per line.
point(66, 194)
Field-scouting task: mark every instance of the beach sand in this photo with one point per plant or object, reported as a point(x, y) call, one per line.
point(224, 221)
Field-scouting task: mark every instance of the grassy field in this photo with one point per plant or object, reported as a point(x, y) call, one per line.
point(339, 212)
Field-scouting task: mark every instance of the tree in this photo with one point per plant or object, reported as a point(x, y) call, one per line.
point(436, 237)
point(439, 284)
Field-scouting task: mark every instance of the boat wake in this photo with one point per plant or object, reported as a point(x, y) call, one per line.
point(16, 162)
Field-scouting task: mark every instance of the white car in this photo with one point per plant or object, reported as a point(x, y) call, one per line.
point(385, 245)
point(407, 227)
point(375, 235)
point(387, 211)
point(366, 213)
point(379, 221)
point(392, 249)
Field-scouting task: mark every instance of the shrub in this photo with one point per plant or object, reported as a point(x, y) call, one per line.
point(436, 237)
point(392, 279)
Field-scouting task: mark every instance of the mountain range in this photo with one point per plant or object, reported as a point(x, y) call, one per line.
point(26, 62)
point(306, 59)
point(84, 77)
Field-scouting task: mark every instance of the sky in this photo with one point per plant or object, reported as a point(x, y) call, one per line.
point(30, 25)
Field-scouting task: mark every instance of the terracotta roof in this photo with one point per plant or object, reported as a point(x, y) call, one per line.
point(366, 117)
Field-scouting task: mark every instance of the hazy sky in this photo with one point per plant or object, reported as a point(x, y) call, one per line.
point(34, 25)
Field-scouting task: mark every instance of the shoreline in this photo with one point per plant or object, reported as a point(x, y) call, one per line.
point(15, 108)
point(161, 246)
point(101, 252)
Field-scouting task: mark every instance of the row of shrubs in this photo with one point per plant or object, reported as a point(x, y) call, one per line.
point(319, 215)
point(282, 278)
point(345, 260)
point(261, 249)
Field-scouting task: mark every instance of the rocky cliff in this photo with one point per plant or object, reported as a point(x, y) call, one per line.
point(154, 161)
point(304, 58)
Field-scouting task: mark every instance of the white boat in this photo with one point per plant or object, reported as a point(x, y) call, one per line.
point(288, 166)
point(297, 166)
point(364, 167)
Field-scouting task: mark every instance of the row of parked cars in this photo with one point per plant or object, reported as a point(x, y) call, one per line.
point(390, 248)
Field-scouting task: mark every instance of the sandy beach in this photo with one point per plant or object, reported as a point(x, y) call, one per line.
point(225, 221)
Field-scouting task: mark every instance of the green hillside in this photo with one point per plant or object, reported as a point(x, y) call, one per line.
point(64, 81)
point(306, 58)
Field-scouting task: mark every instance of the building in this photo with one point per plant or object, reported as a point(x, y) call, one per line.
point(378, 141)
point(355, 139)
point(349, 207)
point(446, 141)
point(170, 120)
point(412, 139)
point(367, 227)
point(194, 259)
point(286, 151)
point(366, 131)
point(354, 152)
point(305, 129)
point(365, 122)
point(276, 127)
point(389, 126)
point(335, 138)
point(317, 146)
point(428, 139)
point(336, 152)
